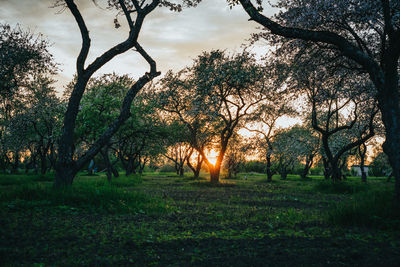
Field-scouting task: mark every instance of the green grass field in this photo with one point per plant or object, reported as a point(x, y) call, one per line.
point(167, 220)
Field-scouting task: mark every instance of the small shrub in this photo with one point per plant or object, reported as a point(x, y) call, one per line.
point(368, 209)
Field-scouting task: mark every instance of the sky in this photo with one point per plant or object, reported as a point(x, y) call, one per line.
point(173, 39)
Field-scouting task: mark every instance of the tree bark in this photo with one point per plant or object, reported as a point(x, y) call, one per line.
point(214, 175)
point(67, 166)
point(15, 165)
point(104, 153)
point(43, 164)
point(269, 171)
point(195, 170)
point(362, 153)
point(307, 166)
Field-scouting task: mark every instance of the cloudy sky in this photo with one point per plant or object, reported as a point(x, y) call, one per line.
point(172, 39)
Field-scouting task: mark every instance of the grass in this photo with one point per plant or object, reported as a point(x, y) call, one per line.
point(160, 219)
point(94, 195)
point(369, 209)
point(343, 187)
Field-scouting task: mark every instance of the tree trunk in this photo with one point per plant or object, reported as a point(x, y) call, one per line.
point(283, 174)
point(269, 171)
point(129, 168)
point(363, 173)
point(195, 170)
point(181, 170)
point(65, 179)
point(336, 174)
point(391, 119)
point(362, 151)
point(43, 164)
point(15, 165)
point(394, 159)
point(214, 174)
point(104, 153)
point(307, 166)
point(114, 171)
point(229, 173)
point(326, 169)
point(52, 157)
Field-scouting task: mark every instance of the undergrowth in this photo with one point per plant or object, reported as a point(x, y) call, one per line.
point(367, 209)
point(342, 187)
point(83, 196)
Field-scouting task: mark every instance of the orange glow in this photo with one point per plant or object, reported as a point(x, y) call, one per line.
point(212, 156)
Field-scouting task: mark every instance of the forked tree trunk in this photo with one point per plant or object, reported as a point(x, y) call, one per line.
point(214, 174)
point(67, 166)
point(307, 166)
point(195, 170)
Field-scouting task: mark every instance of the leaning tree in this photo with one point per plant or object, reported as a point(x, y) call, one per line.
point(134, 12)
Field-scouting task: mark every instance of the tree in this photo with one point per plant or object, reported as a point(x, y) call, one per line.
point(365, 32)
point(99, 107)
point(380, 165)
point(343, 109)
point(134, 12)
point(38, 126)
point(339, 134)
point(24, 56)
point(142, 137)
point(306, 146)
point(221, 92)
point(263, 122)
point(235, 155)
point(286, 150)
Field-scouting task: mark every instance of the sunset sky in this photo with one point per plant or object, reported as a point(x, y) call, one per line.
point(172, 39)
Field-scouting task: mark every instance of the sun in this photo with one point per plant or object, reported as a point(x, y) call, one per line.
point(212, 156)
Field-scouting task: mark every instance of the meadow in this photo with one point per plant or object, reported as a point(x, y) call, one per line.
point(161, 219)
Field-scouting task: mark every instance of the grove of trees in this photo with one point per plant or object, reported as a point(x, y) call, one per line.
point(334, 65)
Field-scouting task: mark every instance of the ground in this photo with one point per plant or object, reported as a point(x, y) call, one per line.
point(179, 221)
